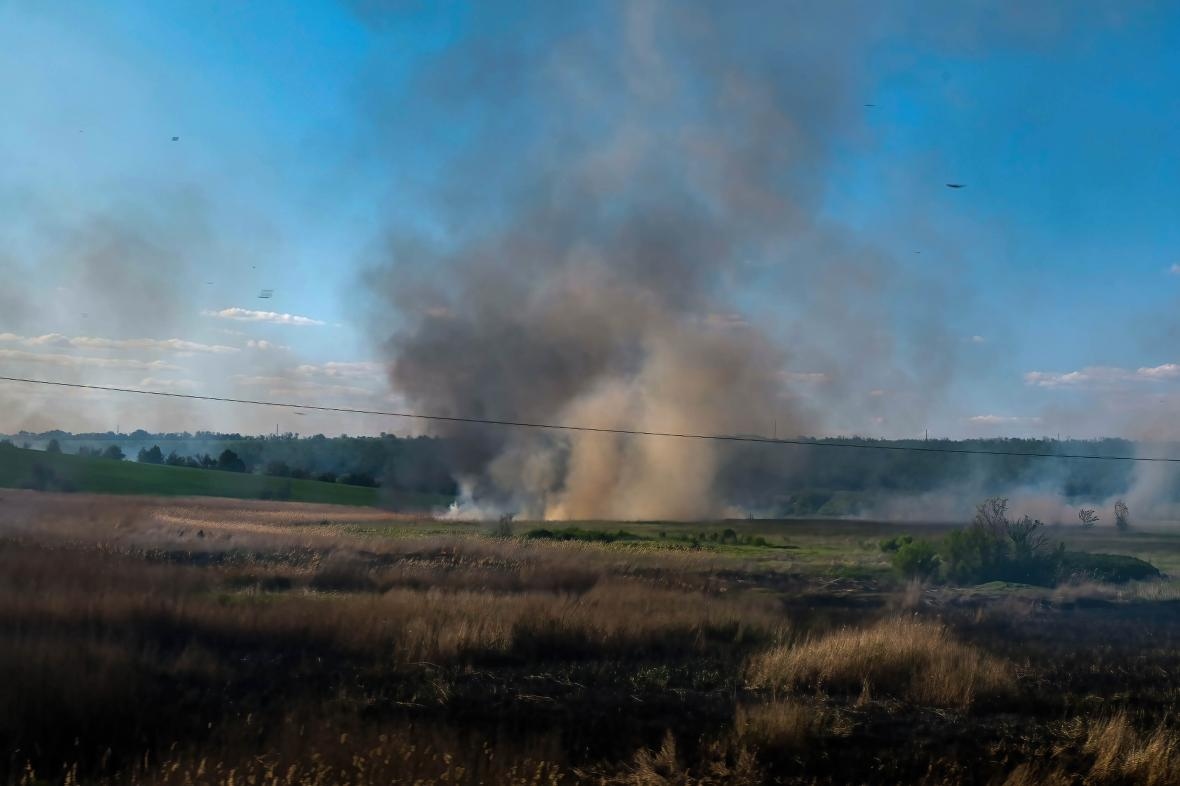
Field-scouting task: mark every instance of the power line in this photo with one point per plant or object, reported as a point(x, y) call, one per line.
point(590, 429)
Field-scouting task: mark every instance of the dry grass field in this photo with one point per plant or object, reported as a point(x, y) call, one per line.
point(178, 641)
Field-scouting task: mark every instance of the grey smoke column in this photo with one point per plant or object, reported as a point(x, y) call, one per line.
point(668, 150)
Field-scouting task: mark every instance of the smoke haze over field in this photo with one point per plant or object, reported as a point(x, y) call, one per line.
point(667, 162)
point(653, 215)
point(633, 176)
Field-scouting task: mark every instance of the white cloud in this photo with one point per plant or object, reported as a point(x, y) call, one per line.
point(90, 342)
point(1001, 420)
point(75, 361)
point(264, 345)
point(316, 390)
point(171, 385)
point(246, 379)
point(342, 369)
point(1175, 269)
point(1165, 371)
point(1101, 376)
point(272, 317)
point(296, 388)
point(977, 340)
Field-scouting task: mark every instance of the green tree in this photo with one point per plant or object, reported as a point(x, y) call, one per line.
point(114, 452)
point(993, 548)
point(230, 462)
point(53, 447)
point(153, 456)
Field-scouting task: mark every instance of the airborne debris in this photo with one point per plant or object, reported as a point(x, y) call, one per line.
point(266, 294)
point(956, 185)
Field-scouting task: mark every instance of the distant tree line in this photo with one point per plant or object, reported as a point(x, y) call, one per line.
point(230, 461)
point(414, 464)
point(113, 452)
point(808, 479)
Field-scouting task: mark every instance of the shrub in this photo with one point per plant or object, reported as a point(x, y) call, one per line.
point(1113, 568)
point(1122, 516)
point(503, 527)
point(916, 559)
point(896, 542)
point(993, 548)
point(278, 469)
point(585, 535)
point(43, 478)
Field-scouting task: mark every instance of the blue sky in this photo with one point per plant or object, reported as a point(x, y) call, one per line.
point(304, 142)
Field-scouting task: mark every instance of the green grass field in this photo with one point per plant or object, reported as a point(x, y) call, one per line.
point(106, 476)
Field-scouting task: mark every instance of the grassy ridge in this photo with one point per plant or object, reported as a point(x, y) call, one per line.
point(106, 476)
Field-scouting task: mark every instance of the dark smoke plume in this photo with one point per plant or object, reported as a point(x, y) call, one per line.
point(667, 159)
point(624, 177)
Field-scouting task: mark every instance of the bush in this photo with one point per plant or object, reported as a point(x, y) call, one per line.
point(278, 469)
point(893, 544)
point(916, 559)
point(585, 535)
point(43, 478)
point(1114, 568)
point(993, 548)
point(1122, 516)
point(503, 527)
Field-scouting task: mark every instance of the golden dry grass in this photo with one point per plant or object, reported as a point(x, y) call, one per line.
point(910, 659)
point(1106, 751)
point(1121, 754)
point(110, 609)
point(783, 724)
point(719, 764)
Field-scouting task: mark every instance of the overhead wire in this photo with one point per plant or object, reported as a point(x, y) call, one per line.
point(741, 438)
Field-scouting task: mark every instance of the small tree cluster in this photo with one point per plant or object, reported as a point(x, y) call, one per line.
point(992, 548)
point(152, 456)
